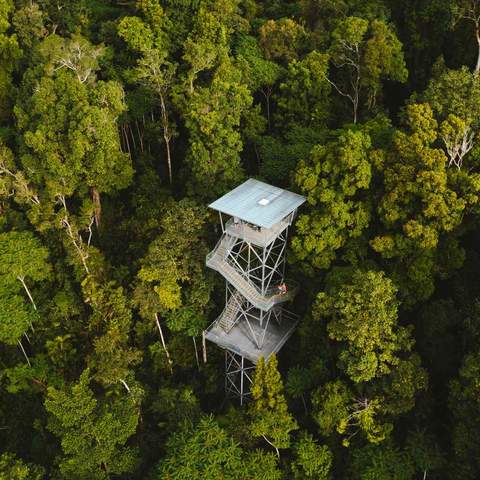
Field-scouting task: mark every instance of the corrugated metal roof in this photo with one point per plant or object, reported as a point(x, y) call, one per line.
point(258, 203)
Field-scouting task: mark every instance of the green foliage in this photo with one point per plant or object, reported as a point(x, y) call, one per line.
point(454, 92)
point(260, 73)
point(420, 203)
point(174, 268)
point(463, 401)
point(363, 314)
point(121, 120)
point(10, 53)
point(304, 93)
point(336, 410)
point(270, 417)
point(93, 433)
point(385, 461)
point(334, 181)
point(12, 468)
point(15, 318)
point(281, 39)
point(279, 156)
point(367, 53)
point(204, 449)
point(212, 116)
point(312, 460)
point(22, 256)
point(70, 136)
point(113, 357)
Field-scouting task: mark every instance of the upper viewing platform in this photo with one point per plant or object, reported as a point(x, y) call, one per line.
point(258, 203)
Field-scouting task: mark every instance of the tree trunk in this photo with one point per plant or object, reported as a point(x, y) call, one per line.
point(133, 136)
point(204, 346)
point(267, 95)
point(127, 142)
point(24, 353)
point(304, 404)
point(196, 352)
point(98, 205)
point(271, 444)
point(160, 331)
point(22, 280)
point(140, 136)
point(125, 385)
point(477, 35)
point(169, 159)
point(166, 136)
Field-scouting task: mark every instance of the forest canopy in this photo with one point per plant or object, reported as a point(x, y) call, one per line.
point(120, 121)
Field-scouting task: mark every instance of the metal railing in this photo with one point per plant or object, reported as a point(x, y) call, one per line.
point(249, 290)
point(262, 237)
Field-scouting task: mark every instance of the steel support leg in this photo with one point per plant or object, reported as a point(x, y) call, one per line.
point(238, 376)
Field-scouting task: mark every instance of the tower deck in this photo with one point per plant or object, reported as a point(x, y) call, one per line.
point(238, 339)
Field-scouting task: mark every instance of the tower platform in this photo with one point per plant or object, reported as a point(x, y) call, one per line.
point(238, 339)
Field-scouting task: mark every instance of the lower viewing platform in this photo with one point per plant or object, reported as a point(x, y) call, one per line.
point(239, 338)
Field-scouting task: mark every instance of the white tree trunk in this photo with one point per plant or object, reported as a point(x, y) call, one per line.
point(477, 35)
point(204, 346)
point(160, 331)
point(125, 385)
point(22, 280)
point(24, 353)
point(196, 352)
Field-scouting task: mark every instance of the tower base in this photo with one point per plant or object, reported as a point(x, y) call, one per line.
point(238, 376)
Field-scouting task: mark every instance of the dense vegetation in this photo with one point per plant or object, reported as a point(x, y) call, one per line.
point(121, 120)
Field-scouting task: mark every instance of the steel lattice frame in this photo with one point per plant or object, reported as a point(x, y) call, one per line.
point(264, 267)
point(238, 376)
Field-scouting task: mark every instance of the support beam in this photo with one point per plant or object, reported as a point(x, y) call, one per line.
point(238, 376)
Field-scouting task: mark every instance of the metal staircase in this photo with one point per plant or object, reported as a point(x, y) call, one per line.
point(230, 313)
point(218, 260)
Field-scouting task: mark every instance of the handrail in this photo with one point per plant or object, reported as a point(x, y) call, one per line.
point(271, 296)
point(271, 291)
point(242, 230)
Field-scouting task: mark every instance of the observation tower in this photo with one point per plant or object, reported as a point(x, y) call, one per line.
point(255, 218)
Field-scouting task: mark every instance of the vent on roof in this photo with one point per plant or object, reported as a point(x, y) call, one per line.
point(264, 201)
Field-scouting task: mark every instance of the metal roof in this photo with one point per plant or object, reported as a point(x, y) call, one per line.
point(258, 203)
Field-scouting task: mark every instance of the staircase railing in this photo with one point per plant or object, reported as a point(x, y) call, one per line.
point(264, 301)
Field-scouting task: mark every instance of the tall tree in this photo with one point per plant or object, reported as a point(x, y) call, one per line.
point(282, 39)
point(304, 93)
point(12, 468)
point(468, 11)
point(149, 37)
point(313, 461)
point(70, 141)
point(172, 279)
point(204, 449)
point(93, 431)
point(23, 259)
point(367, 53)
point(419, 206)
point(363, 314)
point(10, 53)
point(113, 358)
point(212, 109)
point(269, 411)
point(335, 180)
point(454, 98)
